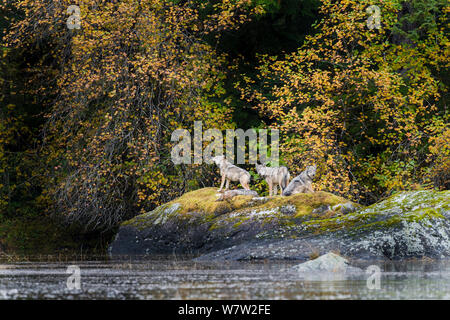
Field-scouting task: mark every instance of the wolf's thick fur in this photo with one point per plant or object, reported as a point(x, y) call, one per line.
point(274, 176)
point(230, 172)
point(302, 183)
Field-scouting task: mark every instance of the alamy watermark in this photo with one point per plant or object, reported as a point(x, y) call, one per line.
point(257, 145)
point(373, 282)
point(74, 20)
point(74, 280)
point(374, 20)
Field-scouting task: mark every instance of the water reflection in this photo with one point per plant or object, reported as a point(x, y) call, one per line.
point(180, 278)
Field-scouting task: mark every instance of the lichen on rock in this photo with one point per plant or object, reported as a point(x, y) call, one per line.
point(408, 224)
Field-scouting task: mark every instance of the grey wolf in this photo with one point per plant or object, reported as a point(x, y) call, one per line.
point(274, 176)
point(230, 172)
point(302, 183)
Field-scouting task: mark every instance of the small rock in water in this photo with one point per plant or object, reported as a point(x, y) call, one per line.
point(329, 262)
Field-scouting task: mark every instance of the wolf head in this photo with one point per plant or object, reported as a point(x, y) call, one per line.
point(218, 160)
point(259, 168)
point(311, 171)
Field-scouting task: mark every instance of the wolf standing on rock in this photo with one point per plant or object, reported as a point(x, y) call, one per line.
point(274, 176)
point(302, 183)
point(230, 172)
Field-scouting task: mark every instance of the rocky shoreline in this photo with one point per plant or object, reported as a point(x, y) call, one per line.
point(412, 224)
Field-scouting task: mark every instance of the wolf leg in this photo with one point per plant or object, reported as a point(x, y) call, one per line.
point(227, 185)
point(281, 184)
point(244, 183)
point(223, 181)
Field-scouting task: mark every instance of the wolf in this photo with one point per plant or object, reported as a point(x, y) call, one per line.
point(230, 172)
point(274, 176)
point(301, 183)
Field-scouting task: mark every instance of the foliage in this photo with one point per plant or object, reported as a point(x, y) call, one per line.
point(86, 115)
point(359, 103)
point(136, 71)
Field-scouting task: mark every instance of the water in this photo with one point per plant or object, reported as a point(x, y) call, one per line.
point(180, 278)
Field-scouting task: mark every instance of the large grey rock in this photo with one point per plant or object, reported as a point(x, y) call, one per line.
point(408, 224)
point(197, 223)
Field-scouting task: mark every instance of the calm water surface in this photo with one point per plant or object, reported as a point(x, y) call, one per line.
point(180, 278)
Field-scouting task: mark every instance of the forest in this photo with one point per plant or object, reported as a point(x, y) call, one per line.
point(359, 88)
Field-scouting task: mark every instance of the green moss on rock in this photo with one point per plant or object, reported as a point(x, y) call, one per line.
point(201, 207)
point(408, 224)
point(413, 206)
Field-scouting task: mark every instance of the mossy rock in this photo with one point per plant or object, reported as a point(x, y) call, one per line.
point(408, 224)
point(196, 222)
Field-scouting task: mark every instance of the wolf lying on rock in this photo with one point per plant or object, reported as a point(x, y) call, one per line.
point(301, 183)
